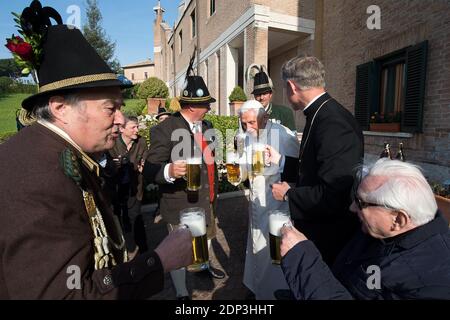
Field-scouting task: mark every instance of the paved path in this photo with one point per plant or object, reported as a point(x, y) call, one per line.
point(228, 254)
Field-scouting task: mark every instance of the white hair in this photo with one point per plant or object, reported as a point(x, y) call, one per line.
point(405, 189)
point(250, 105)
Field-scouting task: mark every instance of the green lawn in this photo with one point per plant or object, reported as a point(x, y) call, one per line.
point(9, 103)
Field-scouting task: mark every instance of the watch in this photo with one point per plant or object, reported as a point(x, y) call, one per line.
point(285, 197)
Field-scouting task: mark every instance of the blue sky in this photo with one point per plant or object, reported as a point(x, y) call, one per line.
point(129, 23)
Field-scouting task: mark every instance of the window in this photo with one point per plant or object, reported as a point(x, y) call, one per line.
point(212, 7)
point(132, 76)
point(193, 25)
point(180, 36)
point(145, 75)
point(392, 88)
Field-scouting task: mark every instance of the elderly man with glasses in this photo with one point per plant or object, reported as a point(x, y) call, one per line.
point(403, 251)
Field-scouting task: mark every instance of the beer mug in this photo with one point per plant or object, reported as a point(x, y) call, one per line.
point(258, 153)
point(194, 218)
point(233, 168)
point(194, 172)
point(277, 219)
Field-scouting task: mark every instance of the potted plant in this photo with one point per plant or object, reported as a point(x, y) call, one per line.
point(385, 122)
point(237, 98)
point(442, 195)
point(155, 92)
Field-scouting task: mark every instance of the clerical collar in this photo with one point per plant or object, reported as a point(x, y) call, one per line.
point(87, 161)
point(313, 100)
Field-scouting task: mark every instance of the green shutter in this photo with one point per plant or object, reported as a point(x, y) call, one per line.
point(363, 96)
point(416, 67)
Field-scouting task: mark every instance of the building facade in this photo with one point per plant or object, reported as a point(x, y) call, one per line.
point(140, 71)
point(388, 62)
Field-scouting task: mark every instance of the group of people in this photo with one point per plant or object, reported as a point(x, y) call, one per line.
point(373, 235)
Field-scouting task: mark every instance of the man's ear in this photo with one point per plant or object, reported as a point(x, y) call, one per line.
point(291, 84)
point(58, 108)
point(400, 220)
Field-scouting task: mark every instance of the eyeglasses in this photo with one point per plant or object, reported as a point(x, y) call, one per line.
point(363, 204)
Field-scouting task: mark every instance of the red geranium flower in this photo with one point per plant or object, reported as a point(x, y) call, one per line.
point(18, 46)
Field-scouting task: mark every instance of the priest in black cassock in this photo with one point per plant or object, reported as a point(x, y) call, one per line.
point(332, 148)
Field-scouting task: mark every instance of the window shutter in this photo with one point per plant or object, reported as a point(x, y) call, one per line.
point(416, 67)
point(364, 74)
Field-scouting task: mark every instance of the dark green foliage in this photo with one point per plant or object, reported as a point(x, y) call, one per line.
point(96, 36)
point(153, 88)
point(237, 94)
point(8, 68)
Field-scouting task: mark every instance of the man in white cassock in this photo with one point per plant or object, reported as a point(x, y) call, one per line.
point(260, 275)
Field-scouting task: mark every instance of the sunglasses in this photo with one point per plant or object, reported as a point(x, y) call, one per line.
point(363, 204)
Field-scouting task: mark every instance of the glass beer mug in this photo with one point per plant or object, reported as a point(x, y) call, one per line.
point(233, 168)
point(194, 218)
point(277, 219)
point(258, 153)
point(194, 172)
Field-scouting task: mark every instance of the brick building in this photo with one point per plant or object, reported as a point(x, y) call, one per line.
point(392, 59)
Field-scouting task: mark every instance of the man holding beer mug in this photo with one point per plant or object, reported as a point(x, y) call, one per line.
point(262, 276)
point(186, 179)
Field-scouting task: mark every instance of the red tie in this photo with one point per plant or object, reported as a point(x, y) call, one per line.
point(209, 160)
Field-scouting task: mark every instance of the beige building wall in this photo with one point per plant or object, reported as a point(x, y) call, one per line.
point(139, 74)
point(238, 34)
point(347, 42)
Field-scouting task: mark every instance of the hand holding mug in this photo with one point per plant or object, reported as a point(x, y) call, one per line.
point(177, 169)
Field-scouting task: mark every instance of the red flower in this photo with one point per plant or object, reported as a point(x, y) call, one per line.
point(18, 46)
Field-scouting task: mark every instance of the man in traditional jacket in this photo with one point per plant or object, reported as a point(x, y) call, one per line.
point(185, 131)
point(263, 92)
point(127, 154)
point(58, 236)
point(331, 148)
point(261, 276)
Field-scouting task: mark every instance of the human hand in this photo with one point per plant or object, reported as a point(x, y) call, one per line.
point(140, 166)
point(272, 155)
point(175, 251)
point(177, 169)
point(279, 190)
point(289, 238)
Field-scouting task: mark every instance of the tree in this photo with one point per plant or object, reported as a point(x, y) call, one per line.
point(8, 68)
point(96, 36)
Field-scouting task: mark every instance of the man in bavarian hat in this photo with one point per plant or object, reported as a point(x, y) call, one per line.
point(58, 236)
point(263, 92)
point(163, 114)
point(172, 142)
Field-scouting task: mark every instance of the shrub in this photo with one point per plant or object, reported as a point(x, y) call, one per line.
point(237, 94)
point(5, 84)
point(153, 88)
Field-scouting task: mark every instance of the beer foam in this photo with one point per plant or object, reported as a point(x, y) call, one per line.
point(196, 224)
point(194, 161)
point(276, 222)
point(232, 157)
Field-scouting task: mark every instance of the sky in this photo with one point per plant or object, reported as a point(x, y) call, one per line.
point(129, 23)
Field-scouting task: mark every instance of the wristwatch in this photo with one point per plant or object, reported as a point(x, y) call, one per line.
point(285, 197)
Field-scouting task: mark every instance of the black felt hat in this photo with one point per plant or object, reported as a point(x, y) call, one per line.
point(262, 83)
point(69, 62)
point(194, 91)
point(161, 112)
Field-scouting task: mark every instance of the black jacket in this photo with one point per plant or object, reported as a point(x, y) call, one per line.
point(413, 265)
point(319, 203)
point(174, 195)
